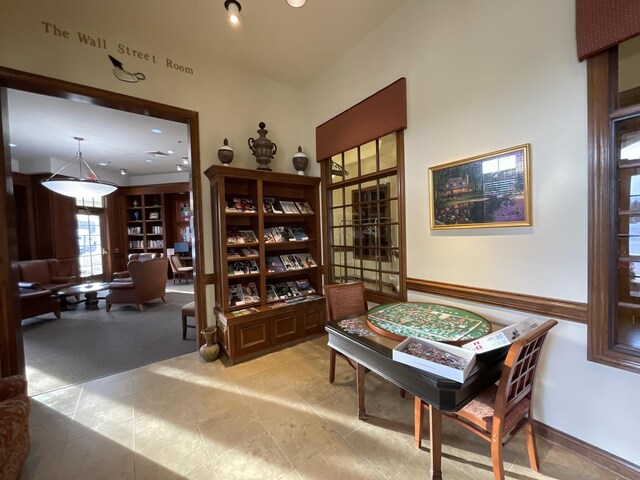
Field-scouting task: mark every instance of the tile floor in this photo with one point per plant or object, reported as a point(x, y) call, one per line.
point(276, 417)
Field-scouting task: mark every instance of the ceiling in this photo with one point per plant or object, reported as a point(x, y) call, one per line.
point(276, 41)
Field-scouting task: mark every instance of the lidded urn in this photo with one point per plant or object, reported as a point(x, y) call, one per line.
point(225, 153)
point(263, 148)
point(300, 161)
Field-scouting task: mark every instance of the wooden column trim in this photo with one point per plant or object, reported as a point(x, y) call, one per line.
point(564, 309)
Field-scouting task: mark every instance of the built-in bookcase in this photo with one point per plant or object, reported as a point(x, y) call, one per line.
point(259, 217)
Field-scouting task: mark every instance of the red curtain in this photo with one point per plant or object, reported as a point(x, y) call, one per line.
point(378, 115)
point(601, 24)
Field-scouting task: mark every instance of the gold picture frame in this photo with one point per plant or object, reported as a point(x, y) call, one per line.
point(490, 190)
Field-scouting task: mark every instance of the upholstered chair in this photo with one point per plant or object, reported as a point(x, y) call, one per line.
point(179, 271)
point(148, 282)
point(14, 426)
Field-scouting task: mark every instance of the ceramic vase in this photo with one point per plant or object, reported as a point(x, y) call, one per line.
point(225, 153)
point(300, 161)
point(209, 351)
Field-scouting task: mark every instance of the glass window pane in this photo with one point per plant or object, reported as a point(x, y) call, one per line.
point(338, 256)
point(352, 260)
point(337, 236)
point(337, 197)
point(390, 186)
point(348, 216)
point(351, 162)
point(387, 151)
point(339, 274)
point(629, 72)
point(349, 195)
point(337, 169)
point(629, 235)
point(368, 158)
point(337, 215)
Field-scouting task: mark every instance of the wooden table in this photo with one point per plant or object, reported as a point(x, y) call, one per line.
point(367, 349)
point(90, 291)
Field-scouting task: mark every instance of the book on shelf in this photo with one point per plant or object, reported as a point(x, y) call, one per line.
point(282, 290)
point(233, 253)
point(299, 234)
point(274, 264)
point(289, 207)
point(248, 236)
point(244, 205)
point(236, 297)
point(305, 286)
point(271, 205)
point(154, 215)
point(293, 288)
point(249, 252)
point(272, 295)
point(250, 292)
point(304, 207)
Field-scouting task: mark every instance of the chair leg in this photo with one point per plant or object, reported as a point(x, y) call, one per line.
point(108, 307)
point(496, 458)
point(164, 299)
point(141, 307)
point(332, 365)
point(184, 327)
point(531, 447)
point(418, 415)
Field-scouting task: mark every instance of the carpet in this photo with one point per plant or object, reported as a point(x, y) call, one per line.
point(88, 344)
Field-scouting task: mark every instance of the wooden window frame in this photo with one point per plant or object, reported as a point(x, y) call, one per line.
point(602, 73)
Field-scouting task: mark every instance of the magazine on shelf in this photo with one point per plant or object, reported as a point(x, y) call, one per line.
point(282, 290)
point(241, 267)
point(299, 234)
point(296, 261)
point(287, 234)
point(249, 252)
point(250, 292)
point(248, 236)
point(306, 260)
point(271, 294)
point(244, 205)
point(233, 253)
point(229, 206)
point(236, 297)
point(304, 207)
point(286, 261)
point(305, 286)
point(277, 235)
point(253, 266)
point(502, 338)
point(271, 205)
point(234, 237)
point(244, 311)
point(289, 207)
point(293, 288)
point(274, 264)
point(268, 236)
point(435, 357)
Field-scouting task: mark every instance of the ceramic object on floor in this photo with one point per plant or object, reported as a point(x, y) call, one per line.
point(210, 350)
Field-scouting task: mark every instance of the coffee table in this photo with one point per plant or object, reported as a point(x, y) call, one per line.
point(90, 291)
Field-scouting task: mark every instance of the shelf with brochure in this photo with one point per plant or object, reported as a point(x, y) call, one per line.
point(259, 215)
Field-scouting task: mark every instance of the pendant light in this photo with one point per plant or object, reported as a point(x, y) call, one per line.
point(88, 187)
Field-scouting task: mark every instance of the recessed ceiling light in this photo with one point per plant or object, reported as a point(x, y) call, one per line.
point(185, 160)
point(13, 145)
point(103, 164)
point(170, 152)
point(179, 167)
point(156, 130)
point(296, 3)
point(148, 160)
point(123, 171)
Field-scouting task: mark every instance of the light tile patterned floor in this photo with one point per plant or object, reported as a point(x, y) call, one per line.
point(276, 417)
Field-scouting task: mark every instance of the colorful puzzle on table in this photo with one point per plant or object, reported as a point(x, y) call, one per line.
point(429, 321)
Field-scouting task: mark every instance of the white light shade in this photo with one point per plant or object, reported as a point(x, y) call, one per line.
point(74, 187)
point(234, 13)
point(296, 3)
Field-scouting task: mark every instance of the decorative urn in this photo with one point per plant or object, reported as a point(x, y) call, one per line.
point(300, 161)
point(263, 148)
point(225, 153)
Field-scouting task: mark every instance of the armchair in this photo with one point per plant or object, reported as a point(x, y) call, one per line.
point(14, 426)
point(179, 271)
point(124, 276)
point(148, 282)
point(43, 274)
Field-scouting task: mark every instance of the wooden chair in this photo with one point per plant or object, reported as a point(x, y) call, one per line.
point(179, 271)
point(500, 411)
point(344, 300)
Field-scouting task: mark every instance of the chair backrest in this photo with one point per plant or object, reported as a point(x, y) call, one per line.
point(143, 257)
point(519, 371)
point(150, 275)
point(345, 300)
point(175, 262)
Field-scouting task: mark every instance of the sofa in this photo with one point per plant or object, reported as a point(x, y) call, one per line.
point(14, 426)
point(148, 282)
point(43, 275)
point(34, 302)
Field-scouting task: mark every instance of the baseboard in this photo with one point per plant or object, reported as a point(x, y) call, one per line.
point(617, 465)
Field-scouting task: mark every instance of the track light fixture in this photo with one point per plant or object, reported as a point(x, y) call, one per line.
point(233, 8)
point(123, 171)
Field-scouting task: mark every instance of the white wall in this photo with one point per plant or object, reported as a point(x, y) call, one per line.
point(483, 76)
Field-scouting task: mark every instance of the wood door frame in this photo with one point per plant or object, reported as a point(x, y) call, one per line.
point(11, 342)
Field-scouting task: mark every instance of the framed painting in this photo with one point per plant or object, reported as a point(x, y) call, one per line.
point(490, 190)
